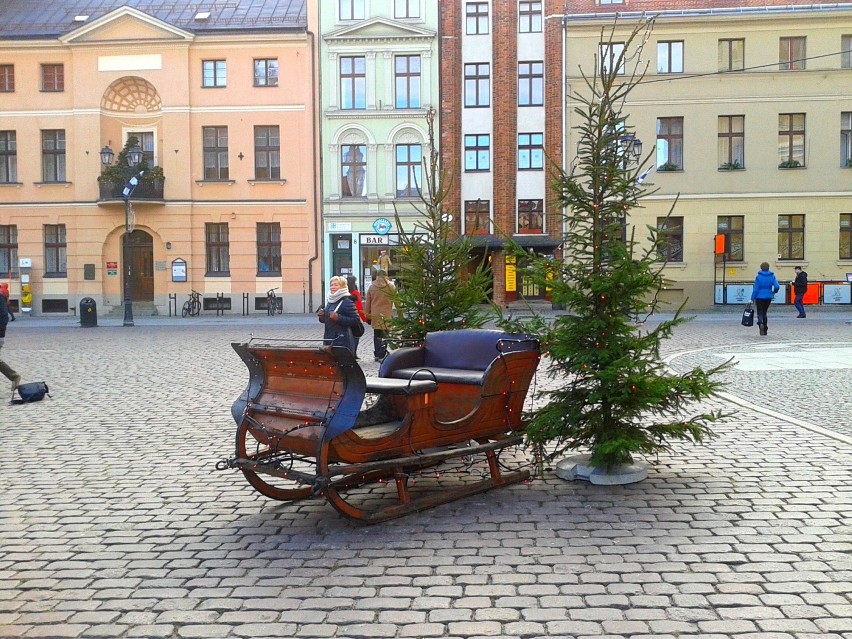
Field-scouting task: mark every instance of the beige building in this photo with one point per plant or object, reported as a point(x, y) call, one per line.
point(221, 100)
point(745, 115)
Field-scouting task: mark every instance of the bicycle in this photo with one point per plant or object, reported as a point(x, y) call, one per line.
point(192, 306)
point(272, 302)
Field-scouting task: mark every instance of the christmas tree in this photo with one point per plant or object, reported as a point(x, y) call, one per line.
point(440, 286)
point(614, 395)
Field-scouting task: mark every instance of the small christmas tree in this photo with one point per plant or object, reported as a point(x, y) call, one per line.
point(439, 286)
point(614, 395)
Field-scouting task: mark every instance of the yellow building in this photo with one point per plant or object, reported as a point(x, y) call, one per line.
point(221, 100)
point(745, 116)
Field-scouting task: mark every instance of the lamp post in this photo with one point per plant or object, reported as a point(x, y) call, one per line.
point(134, 157)
point(632, 147)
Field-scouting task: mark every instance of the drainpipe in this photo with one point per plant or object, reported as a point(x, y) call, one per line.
point(564, 115)
point(317, 178)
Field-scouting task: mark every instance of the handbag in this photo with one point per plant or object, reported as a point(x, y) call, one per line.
point(748, 315)
point(31, 392)
point(358, 329)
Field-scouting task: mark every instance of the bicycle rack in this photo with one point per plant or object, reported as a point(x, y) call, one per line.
point(245, 304)
point(173, 300)
point(220, 304)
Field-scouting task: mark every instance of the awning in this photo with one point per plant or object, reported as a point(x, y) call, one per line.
point(494, 243)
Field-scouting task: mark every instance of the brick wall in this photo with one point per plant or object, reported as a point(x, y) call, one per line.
point(554, 99)
point(451, 23)
point(592, 6)
point(504, 99)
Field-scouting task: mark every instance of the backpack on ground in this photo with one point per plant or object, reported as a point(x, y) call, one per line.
point(31, 392)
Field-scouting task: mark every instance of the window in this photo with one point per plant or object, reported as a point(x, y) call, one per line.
point(477, 215)
point(217, 247)
point(611, 55)
point(791, 237)
point(216, 153)
point(530, 83)
point(529, 17)
point(611, 1)
point(791, 140)
point(145, 140)
point(407, 73)
point(268, 248)
point(8, 250)
point(731, 141)
point(732, 55)
point(8, 159)
point(52, 77)
point(267, 153)
point(476, 14)
point(477, 85)
point(406, 8)
point(409, 159)
point(732, 227)
point(671, 239)
point(354, 174)
point(845, 237)
point(791, 54)
point(353, 82)
point(530, 216)
point(53, 155)
point(266, 72)
point(214, 73)
point(845, 52)
point(845, 140)
point(351, 9)
point(669, 144)
point(530, 151)
point(477, 152)
point(670, 57)
point(7, 78)
point(55, 258)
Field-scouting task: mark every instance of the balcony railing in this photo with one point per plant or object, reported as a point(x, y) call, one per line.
point(147, 189)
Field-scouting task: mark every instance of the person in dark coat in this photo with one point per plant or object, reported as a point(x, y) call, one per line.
point(339, 314)
point(7, 370)
point(765, 287)
point(800, 287)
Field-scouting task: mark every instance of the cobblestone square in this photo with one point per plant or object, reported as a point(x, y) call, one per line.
point(114, 523)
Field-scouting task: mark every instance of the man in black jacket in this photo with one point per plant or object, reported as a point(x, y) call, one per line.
point(800, 287)
point(4, 320)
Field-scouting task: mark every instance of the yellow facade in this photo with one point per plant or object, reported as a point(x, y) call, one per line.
point(759, 92)
point(128, 73)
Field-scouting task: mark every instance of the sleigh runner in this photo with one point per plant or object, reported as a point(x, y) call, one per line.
point(303, 430)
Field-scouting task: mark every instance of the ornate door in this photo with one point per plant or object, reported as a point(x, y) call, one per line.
point(141, 258)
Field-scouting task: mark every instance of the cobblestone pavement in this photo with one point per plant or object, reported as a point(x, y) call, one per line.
point(113, 523)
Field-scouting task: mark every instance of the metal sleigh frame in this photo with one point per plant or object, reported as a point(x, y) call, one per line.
point(302, 430)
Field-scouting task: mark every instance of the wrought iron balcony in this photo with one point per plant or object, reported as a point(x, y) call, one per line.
point(147, 189)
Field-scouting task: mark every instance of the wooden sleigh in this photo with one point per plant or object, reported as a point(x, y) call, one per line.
point(304, 429)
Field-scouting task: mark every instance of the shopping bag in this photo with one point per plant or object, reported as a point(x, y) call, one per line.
point(748, 315)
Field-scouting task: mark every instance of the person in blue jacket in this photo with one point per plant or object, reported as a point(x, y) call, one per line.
point(339, 314)
point(765, 287)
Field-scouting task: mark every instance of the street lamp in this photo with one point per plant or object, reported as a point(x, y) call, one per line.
point(632, 148)
point(134, 157)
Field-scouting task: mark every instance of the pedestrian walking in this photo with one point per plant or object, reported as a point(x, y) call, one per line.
point(7, 370)
point(4, 290)
point(352, 285)
point(765, 287)
point(379, 307)
point(339, 314)
point(800, 287)
point(384, 262)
